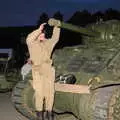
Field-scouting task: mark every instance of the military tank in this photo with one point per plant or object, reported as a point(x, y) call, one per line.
point(9, 75)
point(95, 63)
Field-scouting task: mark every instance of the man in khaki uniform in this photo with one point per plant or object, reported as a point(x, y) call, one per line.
point(43, 72)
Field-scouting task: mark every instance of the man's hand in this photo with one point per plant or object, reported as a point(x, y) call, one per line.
point(36, 35)
point(54, 22)
point(42, 27)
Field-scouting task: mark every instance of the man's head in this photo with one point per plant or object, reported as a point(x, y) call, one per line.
point(42, 37)
point(45, 32)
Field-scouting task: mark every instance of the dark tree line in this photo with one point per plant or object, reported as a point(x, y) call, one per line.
point(83, 17)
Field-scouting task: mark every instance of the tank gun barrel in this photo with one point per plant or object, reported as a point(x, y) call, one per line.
point(74, 28)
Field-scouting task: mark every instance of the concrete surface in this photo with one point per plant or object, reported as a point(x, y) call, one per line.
point(7, 111)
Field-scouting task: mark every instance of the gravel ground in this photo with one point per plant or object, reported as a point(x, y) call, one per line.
point(7, 111)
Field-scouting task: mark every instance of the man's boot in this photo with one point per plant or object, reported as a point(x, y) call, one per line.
point(50, 115)
point(40, 115)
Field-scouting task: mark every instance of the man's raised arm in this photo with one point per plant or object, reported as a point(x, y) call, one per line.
point(35, 34)
point(55, 36)
point(56, 30)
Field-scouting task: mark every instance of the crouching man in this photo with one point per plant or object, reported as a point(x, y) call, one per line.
point(43, 72)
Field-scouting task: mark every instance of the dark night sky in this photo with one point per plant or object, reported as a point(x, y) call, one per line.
point(27, 12)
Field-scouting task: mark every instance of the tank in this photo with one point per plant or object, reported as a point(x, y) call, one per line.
point(94, 63)
point(8, 73)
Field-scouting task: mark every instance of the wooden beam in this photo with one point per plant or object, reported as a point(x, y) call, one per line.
point(81, 89)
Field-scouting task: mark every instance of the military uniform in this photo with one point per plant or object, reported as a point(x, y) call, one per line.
point(42, 70)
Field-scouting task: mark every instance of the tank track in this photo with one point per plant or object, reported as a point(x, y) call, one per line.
point(20, 102)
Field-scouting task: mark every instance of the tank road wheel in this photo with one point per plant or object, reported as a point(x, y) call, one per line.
point(22, 98)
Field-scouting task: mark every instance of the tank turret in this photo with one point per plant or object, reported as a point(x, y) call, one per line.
point(74, 28)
